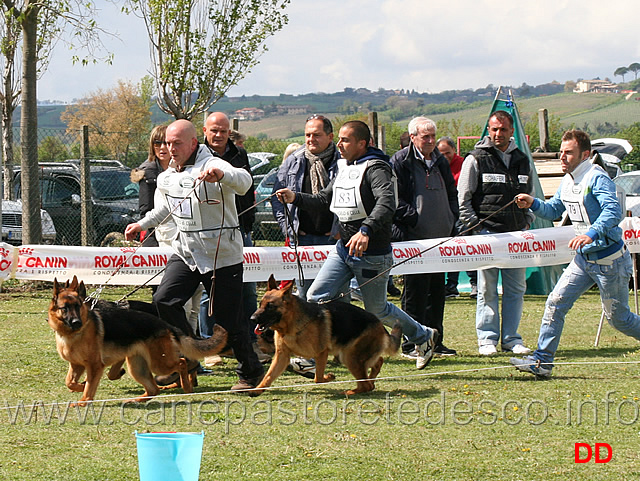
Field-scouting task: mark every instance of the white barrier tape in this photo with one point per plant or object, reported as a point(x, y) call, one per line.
point(94, 265)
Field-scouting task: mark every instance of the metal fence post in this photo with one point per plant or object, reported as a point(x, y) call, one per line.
point(86, 213)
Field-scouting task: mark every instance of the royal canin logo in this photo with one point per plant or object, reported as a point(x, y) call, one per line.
point(25, 251)
point(4, 252)
point(527, 235)
point(459, 240)
point(127, 249)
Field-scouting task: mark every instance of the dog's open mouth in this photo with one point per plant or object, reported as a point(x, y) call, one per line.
point(259, 329)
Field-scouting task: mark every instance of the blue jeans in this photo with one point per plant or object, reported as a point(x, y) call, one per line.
point(578, 277)
point(514, 285)
point(340, 267)
point(311, 240)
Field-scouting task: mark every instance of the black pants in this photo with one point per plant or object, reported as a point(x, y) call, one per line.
point(178, 285)
point(423, 299)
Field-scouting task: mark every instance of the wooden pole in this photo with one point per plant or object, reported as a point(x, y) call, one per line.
point(373, 126)
point(85, 190)
point(543, 128)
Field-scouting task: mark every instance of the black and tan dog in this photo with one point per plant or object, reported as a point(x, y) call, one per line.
point(92, 339)
point(356, 337)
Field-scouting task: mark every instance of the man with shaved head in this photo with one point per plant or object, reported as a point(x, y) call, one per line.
point(198, 190)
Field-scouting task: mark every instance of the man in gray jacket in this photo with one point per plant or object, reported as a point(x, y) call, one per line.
point(204, 247)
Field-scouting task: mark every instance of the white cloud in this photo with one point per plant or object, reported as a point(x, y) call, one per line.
point(414, 44)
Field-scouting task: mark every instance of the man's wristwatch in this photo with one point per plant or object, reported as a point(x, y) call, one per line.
point(364, 233)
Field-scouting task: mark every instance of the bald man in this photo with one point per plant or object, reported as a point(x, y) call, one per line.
point(199, 214)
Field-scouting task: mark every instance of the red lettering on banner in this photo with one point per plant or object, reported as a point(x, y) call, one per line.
point(4, 265)
point(630, 234)
point(106, 262)
point(47, 262)
point(319, 256)
point(251, 258)
point(407, 252)
point(466, 250)
point(536, 246)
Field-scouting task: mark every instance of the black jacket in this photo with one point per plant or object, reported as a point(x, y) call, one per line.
point(378, 196)
point(406, 215)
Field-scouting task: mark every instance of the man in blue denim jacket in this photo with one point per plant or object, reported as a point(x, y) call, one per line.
point(589, 197)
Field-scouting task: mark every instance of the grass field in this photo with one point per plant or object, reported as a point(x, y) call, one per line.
point(462, 418)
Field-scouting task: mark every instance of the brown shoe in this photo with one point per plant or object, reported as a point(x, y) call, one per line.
point(244, 385)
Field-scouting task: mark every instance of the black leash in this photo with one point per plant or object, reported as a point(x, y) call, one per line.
point(344, 294)
point(293, 240)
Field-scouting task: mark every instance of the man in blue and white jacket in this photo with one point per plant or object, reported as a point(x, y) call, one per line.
point(589, 197)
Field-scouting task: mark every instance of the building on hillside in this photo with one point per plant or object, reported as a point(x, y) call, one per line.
point(595, 85)
point(292, 109)
point(249, 113)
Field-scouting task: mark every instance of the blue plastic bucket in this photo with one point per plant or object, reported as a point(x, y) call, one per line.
point(169, 456)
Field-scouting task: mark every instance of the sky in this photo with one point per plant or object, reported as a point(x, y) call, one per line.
point(426, 45)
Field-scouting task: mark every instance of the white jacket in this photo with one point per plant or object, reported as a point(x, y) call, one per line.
point(199, 224)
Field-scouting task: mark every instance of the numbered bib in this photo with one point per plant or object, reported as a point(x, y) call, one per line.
point(346, 202)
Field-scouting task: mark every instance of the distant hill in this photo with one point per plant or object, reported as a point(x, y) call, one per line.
point(468, 106)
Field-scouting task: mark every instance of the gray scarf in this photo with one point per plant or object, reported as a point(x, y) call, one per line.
point(317, 171)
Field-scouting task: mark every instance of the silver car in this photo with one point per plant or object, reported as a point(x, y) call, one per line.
point(12, 224)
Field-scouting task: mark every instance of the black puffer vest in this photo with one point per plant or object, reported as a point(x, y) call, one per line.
point(497, 186)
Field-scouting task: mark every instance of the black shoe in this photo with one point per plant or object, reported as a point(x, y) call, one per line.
point(442, 350)
point(244, 385)
point(203, 371)
point(392, 290)
point(451, 292)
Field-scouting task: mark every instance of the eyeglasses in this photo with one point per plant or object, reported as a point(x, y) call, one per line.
point(326, 123)
point(158, 143)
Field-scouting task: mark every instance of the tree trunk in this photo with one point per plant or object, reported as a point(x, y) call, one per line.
point(31, 223)
point(7, 139)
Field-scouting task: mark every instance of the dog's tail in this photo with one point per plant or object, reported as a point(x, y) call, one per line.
point(199, 348)
point(394, 339)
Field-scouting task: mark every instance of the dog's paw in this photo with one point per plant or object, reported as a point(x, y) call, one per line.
point(328, 377)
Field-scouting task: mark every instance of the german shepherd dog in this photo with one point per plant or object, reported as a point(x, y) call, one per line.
point(356, 337)
point(91, 339)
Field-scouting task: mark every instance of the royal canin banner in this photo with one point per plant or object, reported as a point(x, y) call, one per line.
point(96, 265)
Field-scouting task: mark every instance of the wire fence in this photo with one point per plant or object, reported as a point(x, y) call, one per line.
point(113, 194)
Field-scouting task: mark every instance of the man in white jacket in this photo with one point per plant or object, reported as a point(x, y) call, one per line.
point(203, 214)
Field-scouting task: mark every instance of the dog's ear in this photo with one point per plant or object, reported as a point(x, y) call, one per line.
point(81, 290)
point(56, 287)
point(271, 283)
point(74, 283)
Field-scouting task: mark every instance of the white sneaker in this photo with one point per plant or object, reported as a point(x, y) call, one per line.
point(520, 349)
point(488, 350)
point(426, 349)
point(304, 367)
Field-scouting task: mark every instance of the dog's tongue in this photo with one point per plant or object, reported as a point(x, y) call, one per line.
point(258, 330)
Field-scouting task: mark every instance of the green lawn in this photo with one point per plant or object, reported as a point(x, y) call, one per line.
point(462, 418)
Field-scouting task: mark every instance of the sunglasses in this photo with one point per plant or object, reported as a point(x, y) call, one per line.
point(160, 142)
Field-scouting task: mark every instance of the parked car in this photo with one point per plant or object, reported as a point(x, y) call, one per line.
point(114, 198)
point(12, 224)
point(260, 165)
point(630, 184)
point(266, 226)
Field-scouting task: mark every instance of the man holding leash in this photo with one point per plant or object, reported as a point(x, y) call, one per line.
point(492, 174)
point(363, 197)
point(198, 191)
point(589, 197)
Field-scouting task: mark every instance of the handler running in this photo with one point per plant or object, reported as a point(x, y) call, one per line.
point(363, 197)
point(589, 197)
